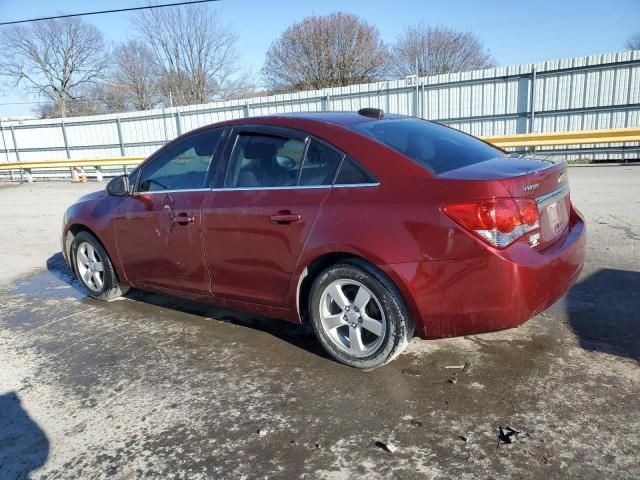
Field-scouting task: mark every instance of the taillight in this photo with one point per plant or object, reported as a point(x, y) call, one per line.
point(498, 221)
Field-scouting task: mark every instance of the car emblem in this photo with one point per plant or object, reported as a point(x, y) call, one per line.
point(532, 187)
point(562, 177)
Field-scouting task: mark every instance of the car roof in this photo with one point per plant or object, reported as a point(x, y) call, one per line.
point(286, 119)
point(340, 118)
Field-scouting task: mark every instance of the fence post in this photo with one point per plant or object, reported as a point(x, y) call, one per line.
point(164, 122)
point(66, 147)
point(6, 152)
point(4, 143)
point(120, 141)
point(422, 96)
point(66, 141)
point(326, 100)
point(15, 144)
point(532, 104)
point(388, 108)
point(247, 110)
point(15, 147)
point(178, 123)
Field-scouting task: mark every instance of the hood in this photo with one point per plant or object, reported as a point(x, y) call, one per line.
point(92, 196)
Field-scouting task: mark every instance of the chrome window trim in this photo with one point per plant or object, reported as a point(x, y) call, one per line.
point(252, 189)
point(552, 197)
point(155, 192)
point(245, 189)
point(296, 187)
point(357, 185)
point(307, 142)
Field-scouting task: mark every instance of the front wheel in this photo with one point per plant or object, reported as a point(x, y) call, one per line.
point(94, 269)
point(358, 315)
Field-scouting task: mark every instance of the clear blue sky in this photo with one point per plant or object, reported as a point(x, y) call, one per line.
point(515, 31)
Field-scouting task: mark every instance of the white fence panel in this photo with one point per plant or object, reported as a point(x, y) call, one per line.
point(595, 92)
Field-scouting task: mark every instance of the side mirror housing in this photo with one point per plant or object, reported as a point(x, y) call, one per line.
point(118, 186)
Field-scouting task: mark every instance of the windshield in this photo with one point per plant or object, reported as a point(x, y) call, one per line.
point(436, 147)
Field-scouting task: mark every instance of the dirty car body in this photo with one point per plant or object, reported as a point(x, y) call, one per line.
point(248, 213)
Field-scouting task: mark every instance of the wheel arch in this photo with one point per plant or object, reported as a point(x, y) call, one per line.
point(72, 231)
point(322, 261)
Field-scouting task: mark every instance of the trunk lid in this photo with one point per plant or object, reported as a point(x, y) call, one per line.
point(535, 177)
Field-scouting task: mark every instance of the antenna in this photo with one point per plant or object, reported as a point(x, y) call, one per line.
point(376, 113)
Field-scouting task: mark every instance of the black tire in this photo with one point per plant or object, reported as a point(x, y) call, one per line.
point(399, 326)
point(111, 288)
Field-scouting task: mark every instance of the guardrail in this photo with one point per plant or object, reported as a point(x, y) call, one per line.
point(584, 137)
point(89, 162)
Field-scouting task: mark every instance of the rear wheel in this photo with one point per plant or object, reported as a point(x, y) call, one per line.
point(358, 315)
point(94, 269)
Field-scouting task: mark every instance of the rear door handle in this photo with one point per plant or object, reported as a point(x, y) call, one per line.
point(183, 219)
point(285, 216)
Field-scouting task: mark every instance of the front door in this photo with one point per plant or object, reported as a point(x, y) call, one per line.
point(256, 226)
point(159, 228)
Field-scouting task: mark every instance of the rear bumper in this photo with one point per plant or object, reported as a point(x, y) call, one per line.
point(493, 291)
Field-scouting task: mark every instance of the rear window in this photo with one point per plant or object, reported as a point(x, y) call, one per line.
point(436, 147)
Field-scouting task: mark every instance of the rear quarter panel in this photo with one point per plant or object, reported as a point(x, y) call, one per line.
point(397, 222)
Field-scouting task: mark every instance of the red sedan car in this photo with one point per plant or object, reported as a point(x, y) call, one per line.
point(371, 227)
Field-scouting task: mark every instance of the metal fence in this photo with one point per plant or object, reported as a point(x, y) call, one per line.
point(583, 93)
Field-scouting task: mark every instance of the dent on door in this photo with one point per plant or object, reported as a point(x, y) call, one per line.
point(160, 241)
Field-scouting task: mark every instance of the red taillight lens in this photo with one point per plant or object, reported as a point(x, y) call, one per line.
point(498, 221)
point(528, 211)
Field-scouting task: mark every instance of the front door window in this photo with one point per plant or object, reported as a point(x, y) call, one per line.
point(183, 166)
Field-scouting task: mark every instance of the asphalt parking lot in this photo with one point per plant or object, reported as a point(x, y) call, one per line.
point(154, 387)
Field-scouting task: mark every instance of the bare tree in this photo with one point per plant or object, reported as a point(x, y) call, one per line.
point(111, 98)
point(437, 50)
point(58, 59)
point(135, 78)
point(325, 51)
point(633, 42)
point(195, 53)
point(86, 105)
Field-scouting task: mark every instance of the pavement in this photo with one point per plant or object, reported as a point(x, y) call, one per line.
point(155, 387)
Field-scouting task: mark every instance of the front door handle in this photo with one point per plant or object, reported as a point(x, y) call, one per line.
point(285, 216)
point(183, 219)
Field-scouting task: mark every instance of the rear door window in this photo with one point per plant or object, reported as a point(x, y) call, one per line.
point(352, 173)
point(263, 160)
point(436, 147)
point(320, 164)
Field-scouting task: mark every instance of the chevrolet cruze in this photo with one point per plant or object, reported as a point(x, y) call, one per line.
point(371, 227)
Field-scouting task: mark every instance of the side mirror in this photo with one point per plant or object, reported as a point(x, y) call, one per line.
point(118, 186)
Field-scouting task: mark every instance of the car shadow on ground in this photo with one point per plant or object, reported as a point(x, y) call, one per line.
point(24, 447)
point(297, 335)
point(57, 265)
point(604, 311)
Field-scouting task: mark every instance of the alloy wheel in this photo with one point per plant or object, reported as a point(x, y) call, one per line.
point(90, 266)
point(352, 317)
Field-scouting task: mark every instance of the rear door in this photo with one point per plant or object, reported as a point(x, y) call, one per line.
point(258, 221)
point(159, 227)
